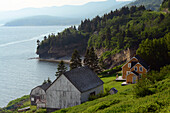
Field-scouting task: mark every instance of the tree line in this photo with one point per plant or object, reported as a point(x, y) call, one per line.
point(90, 60)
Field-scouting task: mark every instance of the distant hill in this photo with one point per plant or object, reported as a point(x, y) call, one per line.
point(43, 20)
point(149, 4)
point(88, 10)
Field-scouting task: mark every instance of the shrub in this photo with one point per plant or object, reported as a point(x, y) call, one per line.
point(142, 88)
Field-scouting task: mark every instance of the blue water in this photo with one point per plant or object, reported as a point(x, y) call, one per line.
point(19, 74)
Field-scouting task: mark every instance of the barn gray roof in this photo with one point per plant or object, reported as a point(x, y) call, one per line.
point(45, 86)
point(83, 78)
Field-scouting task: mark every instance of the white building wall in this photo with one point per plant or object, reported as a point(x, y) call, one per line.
point(62, 94)
point(85, 95)
point(38, 91)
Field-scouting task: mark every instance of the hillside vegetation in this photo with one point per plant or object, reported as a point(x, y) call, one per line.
point(165, 5)
point(109, 34)
point(151, 94)
point(149, 4)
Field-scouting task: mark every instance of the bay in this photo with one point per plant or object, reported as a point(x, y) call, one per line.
point(19, 74)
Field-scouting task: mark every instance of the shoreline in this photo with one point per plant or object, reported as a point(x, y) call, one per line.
point(51, 60)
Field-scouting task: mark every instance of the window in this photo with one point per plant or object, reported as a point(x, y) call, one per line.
point(92, 93)
point(32, 99)
point(127, 72)
point(129, 65)
point(136, 68)
point(141, 69)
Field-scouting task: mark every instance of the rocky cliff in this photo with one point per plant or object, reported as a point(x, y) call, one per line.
point(118, 58)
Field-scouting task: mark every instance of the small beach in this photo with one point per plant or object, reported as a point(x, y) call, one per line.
point(52, 60)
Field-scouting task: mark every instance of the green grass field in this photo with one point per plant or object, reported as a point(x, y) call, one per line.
point(124, 101)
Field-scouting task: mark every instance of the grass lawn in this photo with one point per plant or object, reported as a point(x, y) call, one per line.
point(122, 102)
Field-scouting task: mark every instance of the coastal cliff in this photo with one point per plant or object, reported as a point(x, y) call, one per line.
point(63, 44)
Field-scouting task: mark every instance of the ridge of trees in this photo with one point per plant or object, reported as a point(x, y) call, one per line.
point(149, 4)
point(115, 31)
point(155, 52)
point(165, 4)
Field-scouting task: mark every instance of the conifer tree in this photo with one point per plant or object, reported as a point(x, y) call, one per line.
point(75, 60)
point(91, 60)
point(86, 58)
point(38, 42)
point(49, 81)
point(61, 69)
point(45, 82)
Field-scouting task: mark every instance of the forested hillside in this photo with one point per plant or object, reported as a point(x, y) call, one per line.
point(149, 4)
point(165, 5)
point(110, 34)
point(63, 44)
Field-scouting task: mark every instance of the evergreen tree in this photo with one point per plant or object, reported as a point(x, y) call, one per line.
point(91, 60)
point(61, 68)
point(49, 81)
point(45, 82)
point(38, 42)
point(75, 60)
point(45, 37)
point(86, 58)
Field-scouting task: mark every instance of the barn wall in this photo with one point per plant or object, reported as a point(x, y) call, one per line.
point(41, 105)
point(37, 93)
point(85, 95)
point(62, 94)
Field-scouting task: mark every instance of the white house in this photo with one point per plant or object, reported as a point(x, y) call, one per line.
point(73, 88)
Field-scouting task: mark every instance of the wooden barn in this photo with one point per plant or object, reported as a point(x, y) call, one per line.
point(38, 95)
point(73, 88)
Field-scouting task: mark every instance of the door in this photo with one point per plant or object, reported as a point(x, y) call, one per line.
point(134, 79)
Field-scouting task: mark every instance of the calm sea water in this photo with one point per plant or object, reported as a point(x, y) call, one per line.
point(18, 74)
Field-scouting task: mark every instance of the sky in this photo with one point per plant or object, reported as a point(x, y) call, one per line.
point(6, 5)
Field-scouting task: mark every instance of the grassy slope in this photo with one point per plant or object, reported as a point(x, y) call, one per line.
point(124, 100)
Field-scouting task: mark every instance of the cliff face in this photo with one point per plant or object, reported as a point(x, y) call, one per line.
point(110, 62)
point(118, 58)
point(64, 51)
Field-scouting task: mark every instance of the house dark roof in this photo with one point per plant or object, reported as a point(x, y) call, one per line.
point(135, 73)
point(133, 64)
point(83, 78)
point(141, 61)
point(45, 86)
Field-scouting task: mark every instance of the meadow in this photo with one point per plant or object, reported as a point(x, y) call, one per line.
point(125, 101)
